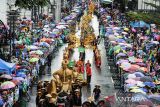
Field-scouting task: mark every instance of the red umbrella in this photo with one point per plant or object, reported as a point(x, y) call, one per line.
point(138, 60)
point(16, 82)
point(158, 38)
point(133, 68)
point(144, 69)
point(18, 66)
point(20, 46)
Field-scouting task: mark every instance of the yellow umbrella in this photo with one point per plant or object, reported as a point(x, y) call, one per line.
point(33, 59)
point(134, 87)
point(119, 36)
point(126, 29)
point(137, 91)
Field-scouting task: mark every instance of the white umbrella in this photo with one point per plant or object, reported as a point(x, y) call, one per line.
point(155, 42)
point(131, 76)
point(125, 33)
point(61, 27)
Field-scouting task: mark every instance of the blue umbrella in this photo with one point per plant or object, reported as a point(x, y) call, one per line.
point(22, 70)
point(150, 84)
point(21, 74)
point(139, 74)
point(144, 89)
point(120, 40)
point(139, 24)
point(44, 44)
point(53, 35)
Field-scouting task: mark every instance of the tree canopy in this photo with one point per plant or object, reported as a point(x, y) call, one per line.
point(28, 4)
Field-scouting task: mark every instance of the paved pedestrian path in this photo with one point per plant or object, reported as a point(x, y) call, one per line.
point(101, 77)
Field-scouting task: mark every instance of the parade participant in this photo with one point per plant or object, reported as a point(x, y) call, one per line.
point(96, 92)
point(80, 66)
point(88, 71)
point(88, 63)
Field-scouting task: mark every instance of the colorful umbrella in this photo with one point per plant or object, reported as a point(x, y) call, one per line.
point(120, 40)
point(150, 84)
point(130, 81)
point(126, 29)
point(18, 78)
point(23, 70)
point(138, 91)
point(141, 64)
point(112, 38)
point(18, 66)
point(124, 33)
point(6, 76)
point(117, 47)
point(21, 74)
point(48, 40)
point(119, 37)
point(146, 79)
point(45, 44)
point(36, 43)
point(32, 52)
point(138, 60)
point(132, 59)
point(125, 65)
point(16, 82)
point(130, 53)
point(132, 68)
point(139, 74)
point(114, 42)
point(144, 69)
point(39, 52)
point(120, 55)
point(7, 85)
point(34, 60)
point(131, 76)
point(140, 84)
point(155, 42)
point(32, 47)
point(121, 61)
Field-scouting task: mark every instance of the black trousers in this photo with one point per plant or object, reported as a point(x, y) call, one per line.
point(88, 78)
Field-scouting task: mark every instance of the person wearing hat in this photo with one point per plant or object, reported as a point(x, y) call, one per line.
point(77, 101)
point(96, 92)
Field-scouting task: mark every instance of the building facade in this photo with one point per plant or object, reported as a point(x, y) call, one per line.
point(6, 5)
point(143, 6)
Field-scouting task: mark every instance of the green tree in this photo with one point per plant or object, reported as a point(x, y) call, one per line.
point(29, 4)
